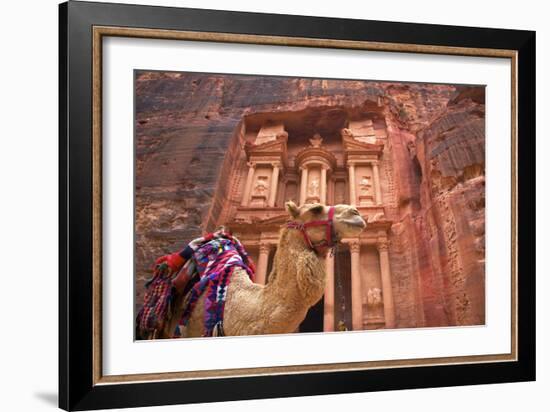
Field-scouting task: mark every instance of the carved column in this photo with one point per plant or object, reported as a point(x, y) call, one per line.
point(273, 185)
point(356, 290)
point(328, 322)
point(323, 192)
point(352, 195)
point(376, 176)
point(387, 295)
point(248, 185)
point(303, 185)
point(261, 269)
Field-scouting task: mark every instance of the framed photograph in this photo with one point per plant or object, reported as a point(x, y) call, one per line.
point(256, 205)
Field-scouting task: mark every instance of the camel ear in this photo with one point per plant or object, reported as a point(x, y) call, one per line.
point(292, 209)
point(317, 209)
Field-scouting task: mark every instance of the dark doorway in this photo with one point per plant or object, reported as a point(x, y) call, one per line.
point(342, 288)
point(342, 297)
point(314, 318)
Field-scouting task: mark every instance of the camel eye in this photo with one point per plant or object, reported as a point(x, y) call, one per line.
point(317, 209)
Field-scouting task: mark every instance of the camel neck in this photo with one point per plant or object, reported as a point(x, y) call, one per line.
point(294, 240)
point(292, 254)
point(292, 248)
point(291, 245)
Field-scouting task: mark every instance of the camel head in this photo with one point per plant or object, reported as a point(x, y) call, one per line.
point(347, 219)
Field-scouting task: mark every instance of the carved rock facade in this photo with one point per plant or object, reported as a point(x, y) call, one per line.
point(214, 149)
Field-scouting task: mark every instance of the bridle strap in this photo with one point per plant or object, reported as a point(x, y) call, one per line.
point(330, 239)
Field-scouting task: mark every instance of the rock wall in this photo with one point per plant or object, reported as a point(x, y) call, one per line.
point(433, 187)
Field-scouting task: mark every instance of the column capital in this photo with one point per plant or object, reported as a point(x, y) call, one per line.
point(382, 245)
point(276, 164)
point(374, 162)
point(350, 163)
point(251, 164)
point(265, 247)
point(354, 246)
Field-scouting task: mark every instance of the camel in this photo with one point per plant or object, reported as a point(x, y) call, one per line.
point(296, 282)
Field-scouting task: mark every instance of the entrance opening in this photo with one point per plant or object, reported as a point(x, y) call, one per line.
point(342, 294)
point(314, 321)
point(314, 318)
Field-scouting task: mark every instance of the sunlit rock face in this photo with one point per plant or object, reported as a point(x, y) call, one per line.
point(418, 176)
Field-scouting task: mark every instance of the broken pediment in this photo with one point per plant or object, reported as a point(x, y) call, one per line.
point(363, 130)
point(270, 132)
point(276, 148)
point(352, 145)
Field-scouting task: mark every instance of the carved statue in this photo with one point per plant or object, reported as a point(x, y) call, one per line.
point(365, 184)
point(374, 297)
point(314, 187)
point(316, 140)
point(261, 185)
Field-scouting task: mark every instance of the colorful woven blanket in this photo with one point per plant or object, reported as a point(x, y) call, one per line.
point(214, 262)
point(157, 303)
point(209, 264)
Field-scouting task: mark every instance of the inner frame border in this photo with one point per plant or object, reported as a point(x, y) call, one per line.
point(98, 32)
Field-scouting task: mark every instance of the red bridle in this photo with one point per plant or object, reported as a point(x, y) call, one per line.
point(327, 243)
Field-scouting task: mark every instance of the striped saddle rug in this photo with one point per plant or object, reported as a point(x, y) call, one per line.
point(212, 260)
